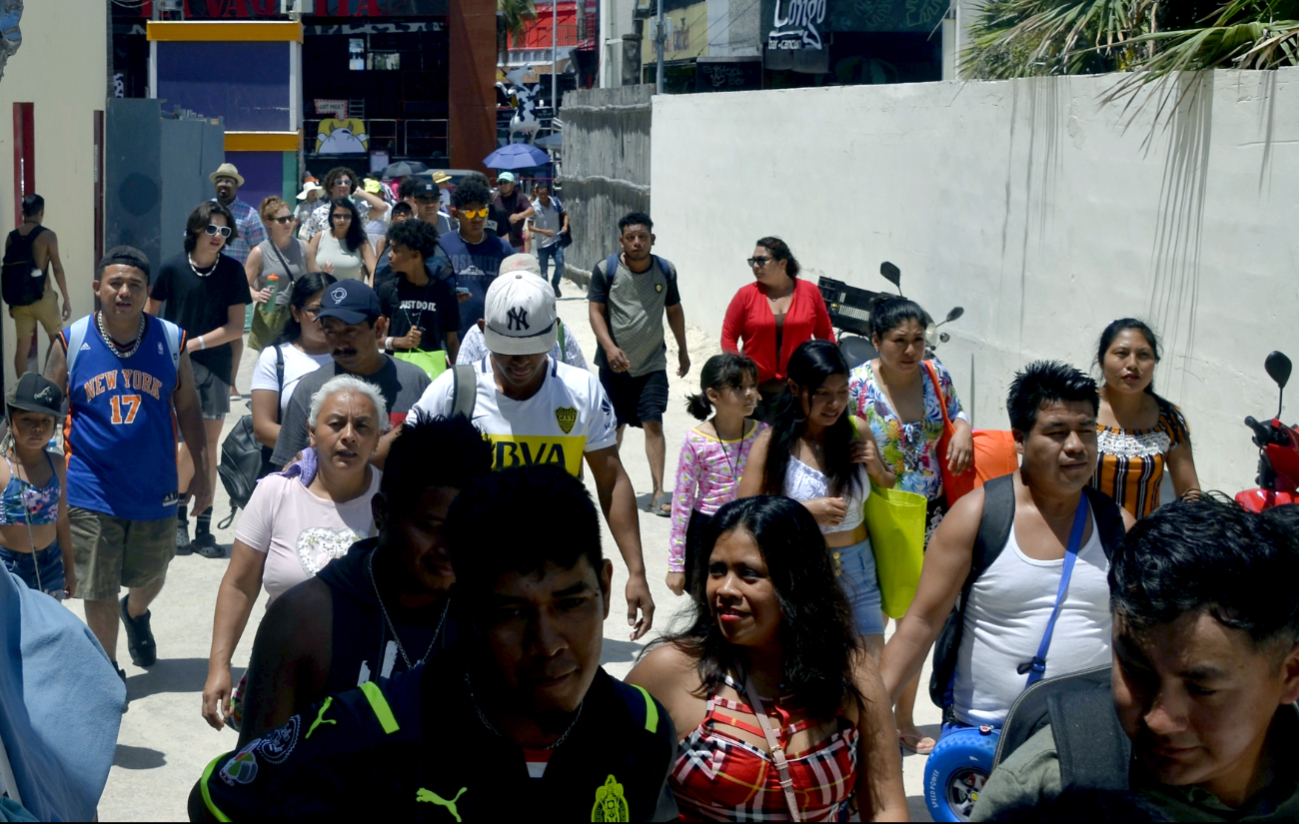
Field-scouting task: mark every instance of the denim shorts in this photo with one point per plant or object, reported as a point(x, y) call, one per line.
point(854, 567)
point(48, 562)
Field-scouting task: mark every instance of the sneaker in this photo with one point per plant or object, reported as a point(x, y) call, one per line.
point(558, 294)
point(182, 539)
point(206, 545)
point(139, 637)
point(126, 699)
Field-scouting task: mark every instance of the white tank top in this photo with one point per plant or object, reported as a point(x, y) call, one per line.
point(347, 265)
point(1006, 617)
point(803, 483)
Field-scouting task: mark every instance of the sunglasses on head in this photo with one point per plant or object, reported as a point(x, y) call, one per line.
point(213, 229)
point(470, 214)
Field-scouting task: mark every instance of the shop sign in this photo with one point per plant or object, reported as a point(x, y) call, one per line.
point(797, 24)
point(270, 9)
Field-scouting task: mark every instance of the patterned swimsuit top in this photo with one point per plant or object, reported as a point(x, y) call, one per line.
point(719, 777)
point(24, 503)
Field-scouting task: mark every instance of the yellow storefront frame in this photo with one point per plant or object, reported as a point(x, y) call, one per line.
point(222, 31)
point(263, 141)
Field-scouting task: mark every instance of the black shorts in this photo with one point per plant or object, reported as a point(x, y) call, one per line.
point(636, 400)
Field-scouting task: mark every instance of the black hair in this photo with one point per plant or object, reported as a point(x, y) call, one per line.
point(1211, 555)
point(332, 176)
point(471, 190)
point(889, 313)
point(543, 184)
point(32, 204)
point(432, 452)
point(307, 284)
point(1043, 382)
point(416, 235)
point(533, 495)
point(201, 218)
point(811, 364)
point(780, 251)
point(124, 256)
point(401, 207)
point(635, 219)
point(355, 230)
point(1122, 325)
point(816, 631)
point(727, 370)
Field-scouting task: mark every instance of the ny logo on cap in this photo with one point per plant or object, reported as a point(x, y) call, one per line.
point(338, 294)
point(518, 318)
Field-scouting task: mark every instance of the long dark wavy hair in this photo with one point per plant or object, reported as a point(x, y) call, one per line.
point(355, 230)
point(304, 287)
point(816, 635)
point(811, 364)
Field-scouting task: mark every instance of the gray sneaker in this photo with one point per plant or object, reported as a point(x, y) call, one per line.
point(182, 539)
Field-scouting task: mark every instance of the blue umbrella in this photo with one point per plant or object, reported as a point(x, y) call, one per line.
point(516, 156)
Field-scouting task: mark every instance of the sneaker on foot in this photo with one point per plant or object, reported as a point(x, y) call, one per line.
point(182, 539)
point(206, 545)
point(126, 699)
point(139, 637)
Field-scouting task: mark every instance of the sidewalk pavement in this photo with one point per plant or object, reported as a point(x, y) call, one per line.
point(165, 744)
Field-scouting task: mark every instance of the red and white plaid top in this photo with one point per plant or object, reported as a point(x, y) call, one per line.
point(718, 777)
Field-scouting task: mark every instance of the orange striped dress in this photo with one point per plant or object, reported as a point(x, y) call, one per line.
point(1131, 465)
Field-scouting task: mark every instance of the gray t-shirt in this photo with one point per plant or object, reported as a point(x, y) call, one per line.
point(633, 308)
point(400, 383)
point(289, 264)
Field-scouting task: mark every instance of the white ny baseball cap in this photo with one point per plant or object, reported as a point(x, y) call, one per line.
point(520, 315)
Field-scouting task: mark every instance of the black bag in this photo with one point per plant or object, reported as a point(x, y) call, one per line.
point(22, 283)
point(994, 530)
point(244, 461)
point(565, 236)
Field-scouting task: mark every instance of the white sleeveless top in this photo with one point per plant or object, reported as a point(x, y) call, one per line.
point(1006, 617)
point(803, 483)
point(347, 265)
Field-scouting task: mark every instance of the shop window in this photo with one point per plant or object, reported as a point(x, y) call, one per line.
point(384, 61)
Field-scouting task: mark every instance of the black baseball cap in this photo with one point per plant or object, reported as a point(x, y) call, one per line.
point(427, 189)
point(33, 393)
point(351, 301)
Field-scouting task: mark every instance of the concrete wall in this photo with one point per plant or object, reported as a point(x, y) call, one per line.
point(606, 168)
point(62, 69)
point(1042, 212)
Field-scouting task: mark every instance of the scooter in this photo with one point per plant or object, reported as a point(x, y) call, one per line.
point(1278, 450)
point(850, 312)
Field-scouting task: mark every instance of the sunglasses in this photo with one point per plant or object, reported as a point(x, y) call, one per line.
point(759, 261)
point(283, 220)
point(340, 218)
point(213, 229)
point(229, 181)
point(342, 181)
point(470, 214)
point(311, 310)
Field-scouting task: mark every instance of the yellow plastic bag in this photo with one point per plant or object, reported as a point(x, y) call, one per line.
point(896, 520)
point(433, 363)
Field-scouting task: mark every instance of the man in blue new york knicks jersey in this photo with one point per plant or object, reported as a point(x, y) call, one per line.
point(123, 371)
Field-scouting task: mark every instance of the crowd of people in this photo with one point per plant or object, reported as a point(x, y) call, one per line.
point(412, 395)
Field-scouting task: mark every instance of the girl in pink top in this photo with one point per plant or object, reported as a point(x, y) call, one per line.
point(712, 458)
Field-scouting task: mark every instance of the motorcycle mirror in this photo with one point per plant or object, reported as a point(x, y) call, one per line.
point(892, 274)
point(956, 312)
point(1278, 368)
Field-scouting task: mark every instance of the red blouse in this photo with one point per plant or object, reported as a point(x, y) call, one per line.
point(749, 319)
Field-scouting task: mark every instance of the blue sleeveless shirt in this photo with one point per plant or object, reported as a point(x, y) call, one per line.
point(119, 434)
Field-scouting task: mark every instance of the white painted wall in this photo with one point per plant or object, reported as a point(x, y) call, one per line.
point(62, 68)
point(1041, 212)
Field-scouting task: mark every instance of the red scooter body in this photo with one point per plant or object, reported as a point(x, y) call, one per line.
point(1278, 444)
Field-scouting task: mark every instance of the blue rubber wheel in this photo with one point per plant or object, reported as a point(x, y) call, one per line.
point(957, 770)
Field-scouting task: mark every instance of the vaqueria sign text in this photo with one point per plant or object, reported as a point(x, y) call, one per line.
point(797, 24)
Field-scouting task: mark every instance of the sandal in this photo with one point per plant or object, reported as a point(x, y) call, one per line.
point(919, 747)
point(658, 508)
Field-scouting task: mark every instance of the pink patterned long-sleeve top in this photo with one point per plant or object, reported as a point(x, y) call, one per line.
point(708, 476)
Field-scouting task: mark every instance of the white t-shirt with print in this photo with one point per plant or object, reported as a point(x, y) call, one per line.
point(570, 415)
point(300, 532)
point(296, 364)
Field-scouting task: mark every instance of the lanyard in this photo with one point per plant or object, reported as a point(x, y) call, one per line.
point(1037, 667)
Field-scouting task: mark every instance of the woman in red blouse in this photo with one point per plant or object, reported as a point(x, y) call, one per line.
point(769, 318)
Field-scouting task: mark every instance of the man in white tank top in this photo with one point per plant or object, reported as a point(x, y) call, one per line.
point(1053, 410)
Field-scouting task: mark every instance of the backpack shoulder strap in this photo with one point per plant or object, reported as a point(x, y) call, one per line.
point(1109, 520)
point(464, 390)
point(611, 267)
point(76, 337)
point(1094, 751)
point(174, 336)
point(665, 265)
point(994, 527)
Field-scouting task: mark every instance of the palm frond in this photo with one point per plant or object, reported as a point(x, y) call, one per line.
point(1017, 38)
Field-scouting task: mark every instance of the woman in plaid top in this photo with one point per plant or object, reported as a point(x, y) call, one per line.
point(770, 681)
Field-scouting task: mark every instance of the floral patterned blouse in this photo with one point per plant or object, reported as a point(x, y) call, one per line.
point(909, 449)
point(708, 476)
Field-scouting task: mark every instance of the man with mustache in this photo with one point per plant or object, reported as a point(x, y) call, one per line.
point(351, 317)
point(517, 716)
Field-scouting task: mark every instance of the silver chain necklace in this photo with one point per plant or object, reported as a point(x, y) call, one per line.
point(112, 344)
point(369, 567)
point(210, 270)
point(488, 724)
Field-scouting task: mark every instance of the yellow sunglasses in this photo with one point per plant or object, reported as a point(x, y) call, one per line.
point(470, 214)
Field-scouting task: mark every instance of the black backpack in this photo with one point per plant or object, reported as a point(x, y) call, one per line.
point(22, 283)
point(244, 460)
point(994, 530)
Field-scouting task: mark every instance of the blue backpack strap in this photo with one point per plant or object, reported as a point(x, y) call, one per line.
point(76, 337)
point(611, 267)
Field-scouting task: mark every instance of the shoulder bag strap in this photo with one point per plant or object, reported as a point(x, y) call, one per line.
point(279, 379)
point(938, 390)
point(777, 750)
point(1037, 667)
point(288, 273)
point(464, 390)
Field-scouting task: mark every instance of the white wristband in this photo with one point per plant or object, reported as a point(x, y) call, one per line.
point(387, 343)
point(202, 344)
